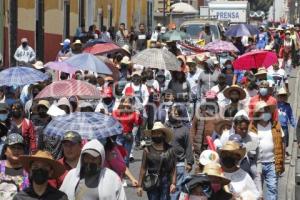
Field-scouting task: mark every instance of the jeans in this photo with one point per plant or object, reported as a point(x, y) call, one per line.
point(286, 135)
point(270, 178)
point(126, 142)
point(180, 175)
point(162, 192)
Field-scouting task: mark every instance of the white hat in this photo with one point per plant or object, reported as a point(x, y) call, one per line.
point(55, 111)
point(126, 60)
point(126, 48)
point(241, 113)
point(38, 65)
point(208, 156)
point(163, 29)
point(66, 41)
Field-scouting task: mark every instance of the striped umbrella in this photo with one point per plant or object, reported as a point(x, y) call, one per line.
point(220, 46)
point(20, 76)
point(68, 88)
point(157, 59)
point(90, 125)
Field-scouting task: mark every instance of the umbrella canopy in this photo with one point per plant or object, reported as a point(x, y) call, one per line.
point(90, 125)
point(175, 35)
point(240, 30)
point(255, 59)
point(20, 76)
point(87, 61)
point(157, 59)
point(68, 88)
point(102, 48)
point(220, 46)
point(61, 66)
point(110, 64)
point(183, 8)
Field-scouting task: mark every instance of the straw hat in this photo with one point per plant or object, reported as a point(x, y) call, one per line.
point(219, 124)
point(200, 58)
point(126, 60)
point(190, 61)
point(38, 65)
point(232, 147)
point(282, 91)
point(159, 126)
point(43, 156)
point(237, 88)
point(208, 156)
point(261, 71)
point(126, 48)
point(44, 103)
point(214, 173)
point(77, 42)
point(261, 105)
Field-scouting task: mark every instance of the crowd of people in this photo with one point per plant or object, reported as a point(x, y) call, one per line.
point(207, 131)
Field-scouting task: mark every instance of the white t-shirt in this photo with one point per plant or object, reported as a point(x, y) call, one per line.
point(241, 182)
point(266, 144)
point(279, 77)
point(193, 79)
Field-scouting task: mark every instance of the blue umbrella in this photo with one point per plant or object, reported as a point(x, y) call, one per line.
point(240, 30)
point(87, 61)
point(20, 76)
point(90, 125)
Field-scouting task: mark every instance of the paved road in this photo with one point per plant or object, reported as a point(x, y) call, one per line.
point(287, 179)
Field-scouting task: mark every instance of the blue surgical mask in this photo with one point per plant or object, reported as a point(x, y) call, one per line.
point(3, 117)
point(266, 117)
point(263, 91)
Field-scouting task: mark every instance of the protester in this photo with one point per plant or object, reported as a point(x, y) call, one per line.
point(90, 179)
point(141, 38)
point(122, 35)
point(279, 76)
point(158, 162)
point(24, 54)
point(41, 167)
point(235, 94)
point(65, 49)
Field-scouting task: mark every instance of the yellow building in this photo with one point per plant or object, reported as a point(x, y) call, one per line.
point(57, 25)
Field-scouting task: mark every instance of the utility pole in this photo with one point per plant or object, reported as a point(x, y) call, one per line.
point(13, 30)
point(39, 31)
point(66, 19)
point(164, 12)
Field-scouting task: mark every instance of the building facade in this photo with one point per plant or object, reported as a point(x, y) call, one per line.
point(61, 18)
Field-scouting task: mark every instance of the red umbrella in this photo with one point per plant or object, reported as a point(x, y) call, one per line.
point(102, 48)
point(68, 88)
point(255, 59)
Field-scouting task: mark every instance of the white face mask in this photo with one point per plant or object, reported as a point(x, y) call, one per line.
point(196, 197)
point(150, 82)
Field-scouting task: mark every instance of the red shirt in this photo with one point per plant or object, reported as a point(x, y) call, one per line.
point(268, 99)
point(128, 120)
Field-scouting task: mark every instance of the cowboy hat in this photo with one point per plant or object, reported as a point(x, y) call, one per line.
point(126, 48)
point(38, 65)
point(125, 60)
point(219, 124)
point(77, 42)
point(261, 105)
point(261, 71)
point(282, 91)
point(159, 126)
point(208, 156)
point(43, 156)
point(237, 88)
point(232, 147)
point(214, 173)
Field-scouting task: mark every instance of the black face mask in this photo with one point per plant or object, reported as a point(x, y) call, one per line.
point(90, 169)
point(43, 114)
point(107, 101)
point(17, 114)
point(40, 176)
point(24, 44)
point(157, 139)
point(228, 162)
point(234, 100)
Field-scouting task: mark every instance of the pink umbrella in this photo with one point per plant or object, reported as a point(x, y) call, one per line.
point(102, 48)
point(220, 46)
point(255, 59)
point(61, 66)
point(68, 88)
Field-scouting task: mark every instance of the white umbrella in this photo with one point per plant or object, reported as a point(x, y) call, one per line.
point(183, 8)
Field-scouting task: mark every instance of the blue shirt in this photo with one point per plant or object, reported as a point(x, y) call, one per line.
point(286, 115)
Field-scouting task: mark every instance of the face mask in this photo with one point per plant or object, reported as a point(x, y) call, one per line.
point(266, 117)
point(168, 103)
point(216, 187)
point(157, 139)
point(43, 114)
point(17, 114)
point(107, 101)
point(196, 197)
point(234, 100)
point(24, 44)
point(90, 169)
point(3, 117)
point(150, 82)
point(40, 176)
point(228, 162)
point(263, 91)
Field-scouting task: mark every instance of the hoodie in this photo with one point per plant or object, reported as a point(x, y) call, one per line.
point(110, 185)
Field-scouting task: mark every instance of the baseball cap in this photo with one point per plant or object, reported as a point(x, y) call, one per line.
point(14, 138)
point(66, 42)
point(72, 136)
point(236, 138)
point(92, 152)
